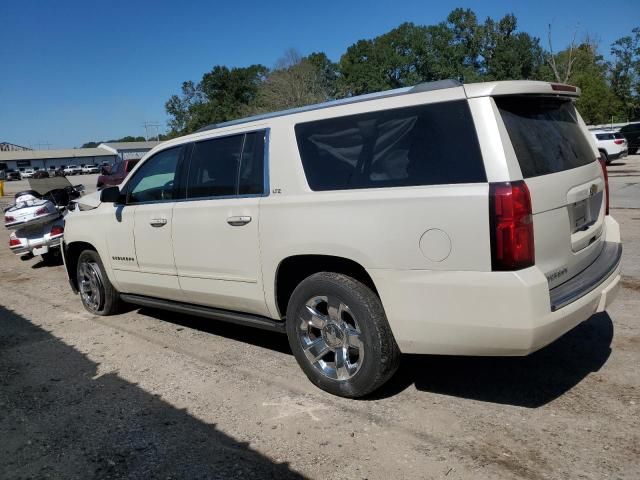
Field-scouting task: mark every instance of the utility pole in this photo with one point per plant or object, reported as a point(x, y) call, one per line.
point(146, 126)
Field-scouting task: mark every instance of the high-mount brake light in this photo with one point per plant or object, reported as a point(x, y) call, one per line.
point(511, 217)
point(561, 87)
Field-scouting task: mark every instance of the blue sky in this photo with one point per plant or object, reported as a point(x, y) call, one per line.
point(74, 71)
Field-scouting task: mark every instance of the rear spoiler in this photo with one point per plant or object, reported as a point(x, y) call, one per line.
point(520, 87)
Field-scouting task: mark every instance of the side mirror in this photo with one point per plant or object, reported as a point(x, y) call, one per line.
point(110, 195)
point(106, 170)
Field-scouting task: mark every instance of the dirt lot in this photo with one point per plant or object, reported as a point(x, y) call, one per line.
point(147, 394)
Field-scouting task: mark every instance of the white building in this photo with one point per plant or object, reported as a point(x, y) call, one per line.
point(53, 159)
point(128, 150)
point(104, 154)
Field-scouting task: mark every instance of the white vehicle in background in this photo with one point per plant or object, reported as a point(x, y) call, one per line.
point(88, 169)
point(72, 170)
point(436, 219)
point(611, 144)
point(27, 173)
point(35, 218)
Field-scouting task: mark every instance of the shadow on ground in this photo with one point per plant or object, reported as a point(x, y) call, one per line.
point(530, 381)
point(58, 420)
point(253, 336)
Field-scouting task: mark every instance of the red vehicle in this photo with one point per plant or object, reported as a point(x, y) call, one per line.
point(114, 175)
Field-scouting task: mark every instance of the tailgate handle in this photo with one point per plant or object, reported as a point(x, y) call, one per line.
point(238, 221)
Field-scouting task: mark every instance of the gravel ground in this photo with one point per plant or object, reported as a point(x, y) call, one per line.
point(148, 394)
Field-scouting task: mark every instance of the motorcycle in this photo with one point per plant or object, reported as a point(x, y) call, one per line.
point(36, 217)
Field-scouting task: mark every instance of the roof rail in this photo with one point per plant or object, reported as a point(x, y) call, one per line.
point(421, 87)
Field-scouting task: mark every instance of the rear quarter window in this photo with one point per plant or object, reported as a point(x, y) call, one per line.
point(423, 145)
point(545, 134)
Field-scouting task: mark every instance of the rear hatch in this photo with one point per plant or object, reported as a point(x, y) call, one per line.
point(564, 178)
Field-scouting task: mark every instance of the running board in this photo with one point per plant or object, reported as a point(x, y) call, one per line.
point(246, 319)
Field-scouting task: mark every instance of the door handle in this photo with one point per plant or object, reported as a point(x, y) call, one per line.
point(158, 222)
point(238, 221)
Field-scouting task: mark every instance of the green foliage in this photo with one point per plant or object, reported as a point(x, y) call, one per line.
point(625, 74)
point(461, 47)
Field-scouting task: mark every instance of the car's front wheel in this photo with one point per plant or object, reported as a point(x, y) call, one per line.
point(340, 336)
point(98, 295)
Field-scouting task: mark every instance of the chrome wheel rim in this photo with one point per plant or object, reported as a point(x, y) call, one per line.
point(90, 284)
point(330, 337)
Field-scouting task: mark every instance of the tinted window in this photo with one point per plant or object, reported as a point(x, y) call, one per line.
point(213, 171)
point(423, 145)
point(154, 179)
point(545, 134)
point(602, 136)
point(227, 166)
point(252, 165)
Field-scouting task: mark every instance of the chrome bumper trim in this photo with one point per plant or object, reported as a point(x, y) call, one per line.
point(588, 279)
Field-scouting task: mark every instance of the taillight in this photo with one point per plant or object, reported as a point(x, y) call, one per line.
point(603, 164)
point(42, 211)
point(512, 246)
point(9, 219)
point(618, 142)
point(13, 241)
point(56, 230)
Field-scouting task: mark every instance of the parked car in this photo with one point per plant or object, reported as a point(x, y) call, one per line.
point(88, 169)
point(72, 170)
point(41, 174)
point(27, 173)
point(438, 219)
point(12, 175)
point(116, 174)
point(631, 133)
point(611, 145)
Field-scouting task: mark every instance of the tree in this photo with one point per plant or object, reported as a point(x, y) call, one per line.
point(625, 73)
point(507, 54)
point(588, 70)
point(295, 82)
point(222, 94)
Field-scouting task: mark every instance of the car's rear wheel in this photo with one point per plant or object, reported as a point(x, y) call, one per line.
point(98, 295)
point(340, 336)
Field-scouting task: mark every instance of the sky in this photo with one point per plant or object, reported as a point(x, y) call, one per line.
point(73, 71)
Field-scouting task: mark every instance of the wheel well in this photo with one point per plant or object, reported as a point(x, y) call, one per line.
point(71, 253)
point(293, 270)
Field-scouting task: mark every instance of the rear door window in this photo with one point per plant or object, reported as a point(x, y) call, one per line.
point(545, 134)
point(227, 166)
point(423, 145)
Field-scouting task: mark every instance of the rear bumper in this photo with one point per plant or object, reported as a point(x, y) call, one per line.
point(620, 154)
point(493, 313)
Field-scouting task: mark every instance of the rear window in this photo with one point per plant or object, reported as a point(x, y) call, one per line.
point(545, 134)
point(423, 145)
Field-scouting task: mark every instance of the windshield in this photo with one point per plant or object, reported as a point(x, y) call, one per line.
point(545, 134)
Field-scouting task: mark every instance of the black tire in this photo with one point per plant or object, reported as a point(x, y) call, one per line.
point(368, 359)
point(633, 151)
point(98, 296)
point(52, 257)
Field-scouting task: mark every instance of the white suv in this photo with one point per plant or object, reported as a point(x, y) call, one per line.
point(439, 219)
point(611, 145)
